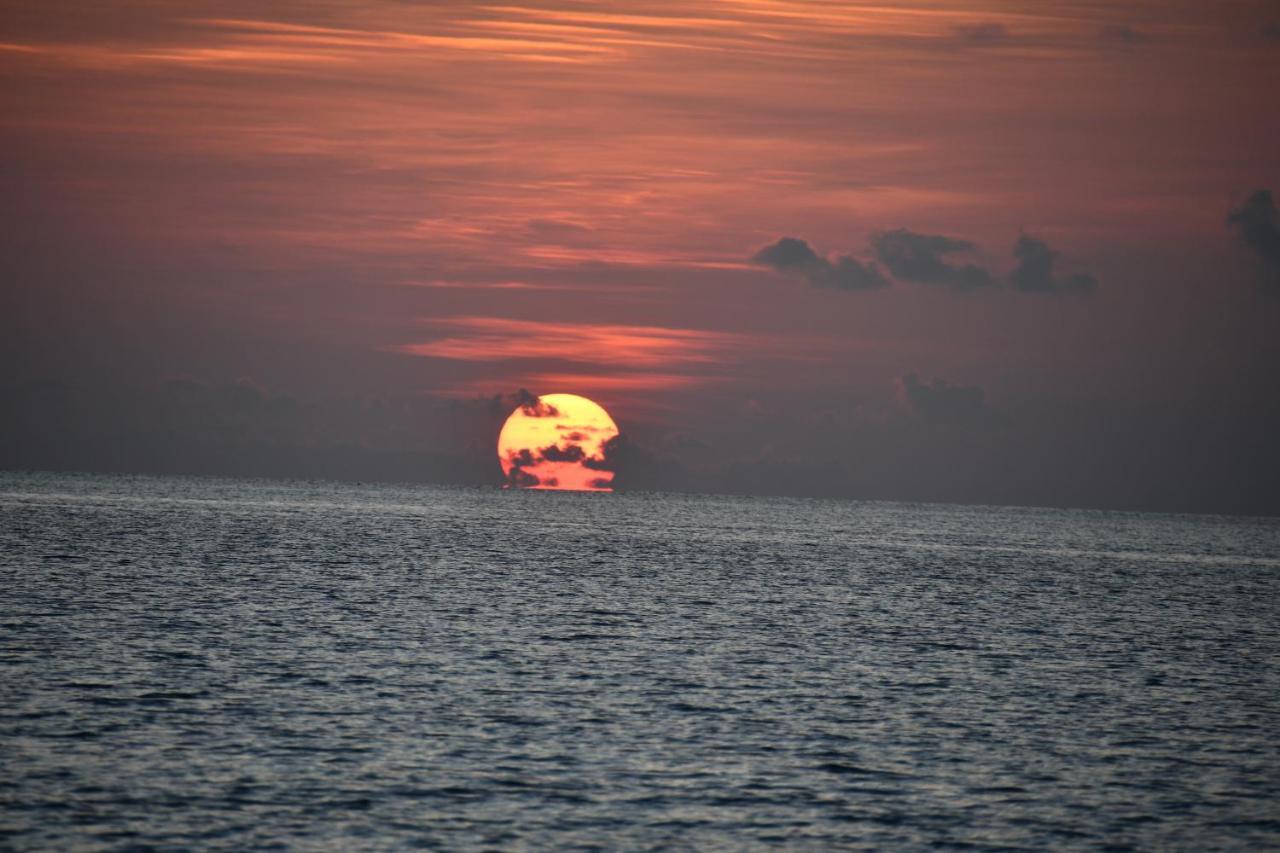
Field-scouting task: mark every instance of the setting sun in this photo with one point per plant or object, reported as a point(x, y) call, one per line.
point(557, 441)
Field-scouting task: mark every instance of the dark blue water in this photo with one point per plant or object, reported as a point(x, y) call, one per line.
point(191, 662)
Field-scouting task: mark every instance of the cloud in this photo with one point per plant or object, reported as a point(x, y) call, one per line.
point(914, 257)
point(1272, 30)
point(792, 255)
point(1258, 225)
point(787, 254)
point(920, 258)
point(477, 338)
point(520, 461)
point(556, 453)
point(636, 467)
point(519, 478)
point(534, 407)
point(1034, 272)
point(940, 402)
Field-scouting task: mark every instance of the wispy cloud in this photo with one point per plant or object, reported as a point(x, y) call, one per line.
point(527, 286)
point(502, 339)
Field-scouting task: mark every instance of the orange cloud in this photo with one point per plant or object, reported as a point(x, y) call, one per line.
point(500, 339)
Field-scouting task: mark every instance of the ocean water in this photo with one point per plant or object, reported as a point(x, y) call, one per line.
point(241, 664)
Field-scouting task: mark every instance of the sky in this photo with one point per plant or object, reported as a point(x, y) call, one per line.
point(1002, 252)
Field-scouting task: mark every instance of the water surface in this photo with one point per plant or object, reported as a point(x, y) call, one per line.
point(201, 662)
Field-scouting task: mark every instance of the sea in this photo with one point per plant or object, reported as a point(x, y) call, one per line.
point(201, 663)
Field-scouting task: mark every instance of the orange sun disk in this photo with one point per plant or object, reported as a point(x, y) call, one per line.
point(557, 442)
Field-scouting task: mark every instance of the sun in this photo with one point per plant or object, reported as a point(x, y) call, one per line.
point(557, 442)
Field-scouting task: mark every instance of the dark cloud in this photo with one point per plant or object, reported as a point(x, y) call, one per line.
point(518, 478)
point(614, 449)
point(921, 258)
point(1035, 274)
point(638, 468)
point(984, 32)
point(789, 253)
point(940, 402)
point(924, 258)
point(1121, 34)
point(522, 459)
point(1272, 30)
point(518, 463)
point(792, 255)
point(532, 406)
point(555, 453)
point(1258, 225)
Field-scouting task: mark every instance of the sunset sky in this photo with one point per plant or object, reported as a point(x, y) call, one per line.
point(1002, 252)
